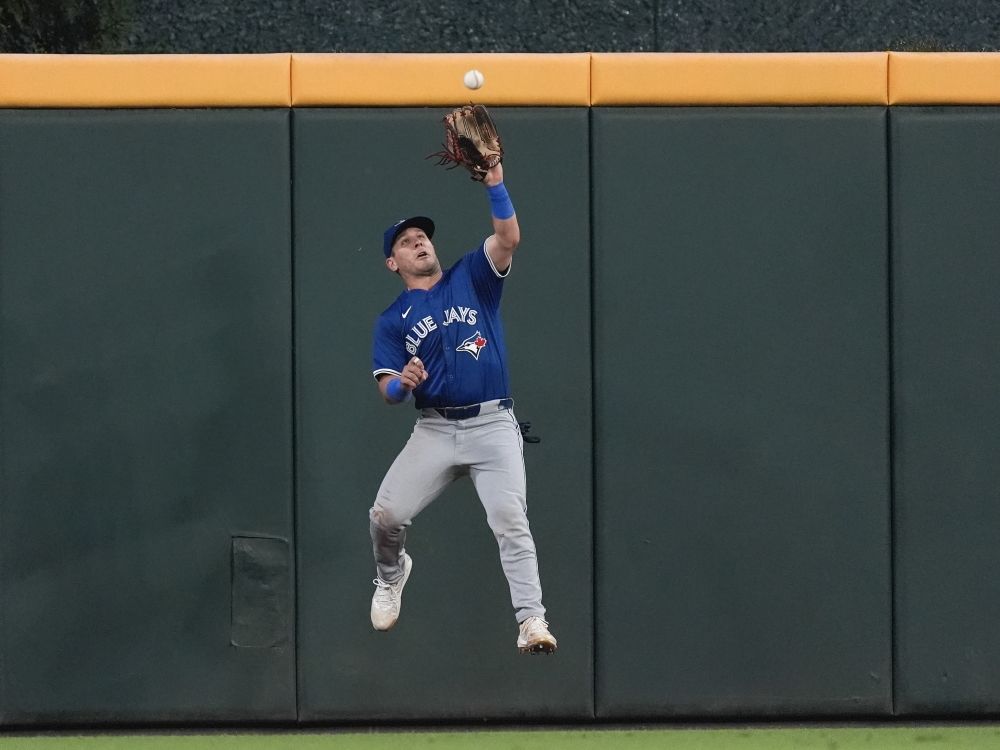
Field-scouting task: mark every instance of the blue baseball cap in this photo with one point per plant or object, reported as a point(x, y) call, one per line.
point(421, 222)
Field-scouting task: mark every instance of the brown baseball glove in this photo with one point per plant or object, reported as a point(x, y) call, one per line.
point(471, 140)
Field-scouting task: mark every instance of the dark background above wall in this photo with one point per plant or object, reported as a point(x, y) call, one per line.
point(220, 26)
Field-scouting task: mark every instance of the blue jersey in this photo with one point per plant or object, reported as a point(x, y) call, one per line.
point(455, 329)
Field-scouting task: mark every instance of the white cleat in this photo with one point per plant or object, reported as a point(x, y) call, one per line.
point(534, 637)
point(388, 598)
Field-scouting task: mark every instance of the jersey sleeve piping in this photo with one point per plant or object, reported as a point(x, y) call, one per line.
point(489, 259)
point(385, 371)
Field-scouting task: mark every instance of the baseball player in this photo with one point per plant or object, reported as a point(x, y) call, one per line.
point(441, 345)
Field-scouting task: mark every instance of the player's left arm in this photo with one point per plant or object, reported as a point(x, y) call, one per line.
point(506, 231)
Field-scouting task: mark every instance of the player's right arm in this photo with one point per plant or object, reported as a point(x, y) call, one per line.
point(397, 388)
point(395, 375)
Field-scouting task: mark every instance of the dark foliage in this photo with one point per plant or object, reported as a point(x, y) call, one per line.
point(63, 26)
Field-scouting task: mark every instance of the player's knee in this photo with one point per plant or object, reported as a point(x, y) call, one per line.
point(385, 517)
point(509, 520)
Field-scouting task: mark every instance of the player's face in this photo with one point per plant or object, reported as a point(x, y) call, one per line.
point(413, 254)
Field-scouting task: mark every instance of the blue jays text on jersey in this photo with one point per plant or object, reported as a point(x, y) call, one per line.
point(455, 329)
point(420, 330)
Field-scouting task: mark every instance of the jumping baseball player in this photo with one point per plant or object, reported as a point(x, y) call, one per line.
point(441, 345)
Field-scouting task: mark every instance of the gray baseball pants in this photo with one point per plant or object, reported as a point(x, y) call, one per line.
point(488, 449)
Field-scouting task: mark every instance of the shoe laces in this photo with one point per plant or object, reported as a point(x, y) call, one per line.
point(385, 594)
point(534, 625)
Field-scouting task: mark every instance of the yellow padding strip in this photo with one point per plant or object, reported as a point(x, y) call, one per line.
point(575, 79)
point(145, 80)
point(739, 79)
point(944, 78)
point(395, 80)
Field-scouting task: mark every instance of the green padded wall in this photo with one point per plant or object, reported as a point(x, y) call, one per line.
point(452, 655)
point(946, 271)
point(741, 378)
point(145, 409)
point(742, 559)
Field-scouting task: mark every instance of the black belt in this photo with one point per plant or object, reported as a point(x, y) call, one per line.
point(467, 412)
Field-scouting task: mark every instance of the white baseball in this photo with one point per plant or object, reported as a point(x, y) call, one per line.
point(474, 79)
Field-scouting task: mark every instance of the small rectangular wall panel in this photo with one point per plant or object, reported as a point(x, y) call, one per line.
point(946, 220)
point(145, 412)
point(741, 371)
point(452, 654)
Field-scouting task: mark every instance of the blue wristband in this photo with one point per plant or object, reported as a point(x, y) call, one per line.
point(396, 392)
point(500, 201)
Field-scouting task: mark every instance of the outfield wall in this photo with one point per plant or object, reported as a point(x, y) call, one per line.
point(753, 319)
